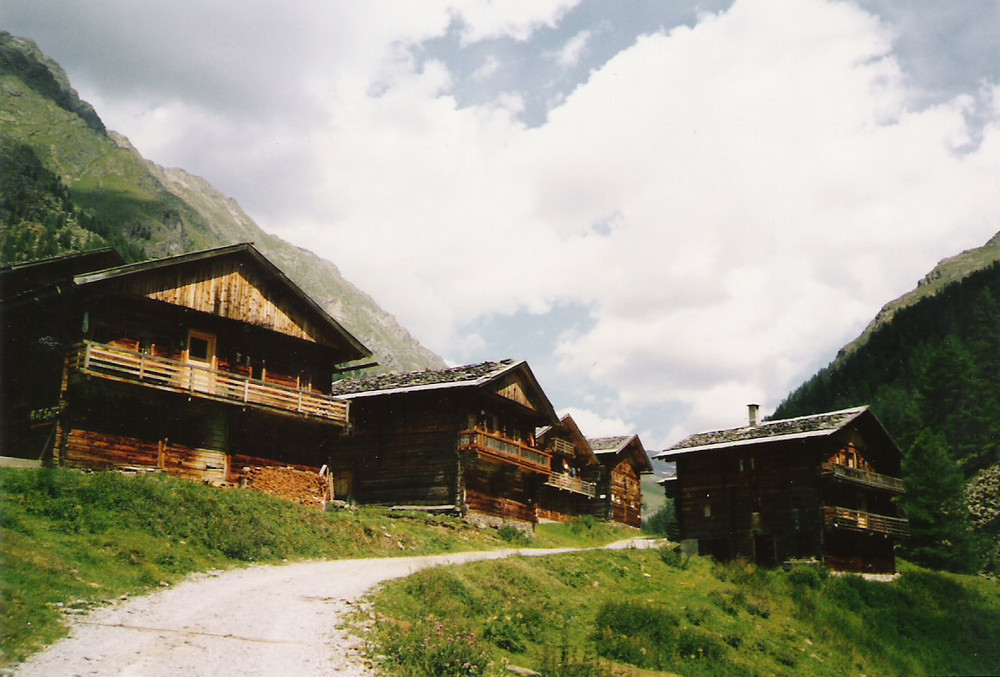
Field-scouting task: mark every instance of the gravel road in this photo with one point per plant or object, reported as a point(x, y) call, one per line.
point(262, 620)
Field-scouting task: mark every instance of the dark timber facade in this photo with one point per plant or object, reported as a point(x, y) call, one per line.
point(459, 439)
point(819, 487)
point(197, 365)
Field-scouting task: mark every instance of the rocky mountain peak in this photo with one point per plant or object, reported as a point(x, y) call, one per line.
point(21, 57)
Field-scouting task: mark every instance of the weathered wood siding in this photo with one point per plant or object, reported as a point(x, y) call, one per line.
point(402, 451)
point(498, 489)
point(513, 389)
point(626, 495)
point(90, 449)
point(759, 502)
point(224, 288)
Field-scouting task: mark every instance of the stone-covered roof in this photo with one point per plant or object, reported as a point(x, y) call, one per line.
point(608, 445)
point(607, 448)
point(468, 375)
point(767, 431)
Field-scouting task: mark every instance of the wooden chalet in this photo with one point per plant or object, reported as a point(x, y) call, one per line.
point(198, 364)
point(571, 490)
point(459, 439)
point(819, 487)
point(619, 489)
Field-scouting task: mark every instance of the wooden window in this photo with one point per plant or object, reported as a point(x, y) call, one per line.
point(201, 346)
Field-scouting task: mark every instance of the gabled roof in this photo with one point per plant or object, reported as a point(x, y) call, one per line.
point(802, 427)
point(607, 448)
point(569, 429)
point(31, 276)
point(249, 254)
point(467, 376)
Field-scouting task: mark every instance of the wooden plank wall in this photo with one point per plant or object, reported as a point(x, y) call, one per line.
point(498, 489)
point(400, 454)
point(222, 287)
point(626, 506)
point(780, 483)
point(512, 388)
point(89, 449)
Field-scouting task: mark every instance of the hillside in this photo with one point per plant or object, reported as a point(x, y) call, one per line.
point(947, 271)
point(68, 184)
point(633, 613)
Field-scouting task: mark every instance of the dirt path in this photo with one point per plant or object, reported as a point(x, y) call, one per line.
point(265, 620)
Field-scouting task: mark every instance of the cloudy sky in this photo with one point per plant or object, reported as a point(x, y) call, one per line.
point(669, 208)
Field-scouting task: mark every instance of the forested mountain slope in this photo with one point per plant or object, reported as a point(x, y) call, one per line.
point(931, 374)
point(67, 184)
point(935, 365)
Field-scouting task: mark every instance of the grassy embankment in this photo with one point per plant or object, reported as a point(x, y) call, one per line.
point(71, 540)
point(647, 612)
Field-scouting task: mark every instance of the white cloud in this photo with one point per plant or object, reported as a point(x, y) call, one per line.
point(573, 50)
point(593, 424)
point(733, 200)
point(769, 185)
point(491, 66)
point(486, 19)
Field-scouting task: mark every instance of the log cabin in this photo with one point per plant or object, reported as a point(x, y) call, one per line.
point(199, 364)
point(571, 490)
point(622, 461)
point(459, 440)
point(815, 488)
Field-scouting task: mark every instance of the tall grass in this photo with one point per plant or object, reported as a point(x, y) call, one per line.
point(638, 610)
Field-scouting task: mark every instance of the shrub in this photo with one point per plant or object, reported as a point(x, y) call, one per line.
point(803, 575)
point(640, 633)
point(428, 649)
point(673, 557)
point(513, 535)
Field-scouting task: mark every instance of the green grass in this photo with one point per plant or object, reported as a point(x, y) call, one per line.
point(73, 540)
point(582, 532)
point(648, 612)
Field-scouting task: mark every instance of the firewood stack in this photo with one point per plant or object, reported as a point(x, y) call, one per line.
point(301, 486)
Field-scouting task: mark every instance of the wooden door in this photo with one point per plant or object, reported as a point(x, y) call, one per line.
point(201, 355)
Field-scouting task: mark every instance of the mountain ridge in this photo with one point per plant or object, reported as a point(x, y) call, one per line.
point(948, 270)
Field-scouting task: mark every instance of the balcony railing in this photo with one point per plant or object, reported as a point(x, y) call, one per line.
point(122, 364)
point(865, 477)
point(857, 520)
point(574, 484)
point(504, 448)
point(562, 447)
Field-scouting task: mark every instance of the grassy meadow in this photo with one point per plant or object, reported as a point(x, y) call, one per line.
point(640, 613)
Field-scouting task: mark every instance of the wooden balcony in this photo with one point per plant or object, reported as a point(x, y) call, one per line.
point(161, 373)
point(562, 447)
point(504, 449)
point(574, 484)
point(864, 477)
point(866, 522)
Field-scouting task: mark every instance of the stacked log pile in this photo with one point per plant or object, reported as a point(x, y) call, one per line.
point(301, 486)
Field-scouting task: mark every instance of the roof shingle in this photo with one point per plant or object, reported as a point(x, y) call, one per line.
point(803, 426)
point(471, 374)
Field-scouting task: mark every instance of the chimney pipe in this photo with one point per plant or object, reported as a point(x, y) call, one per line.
point(752, 411)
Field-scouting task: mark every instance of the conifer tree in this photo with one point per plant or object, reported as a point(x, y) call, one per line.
point(940, 535)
